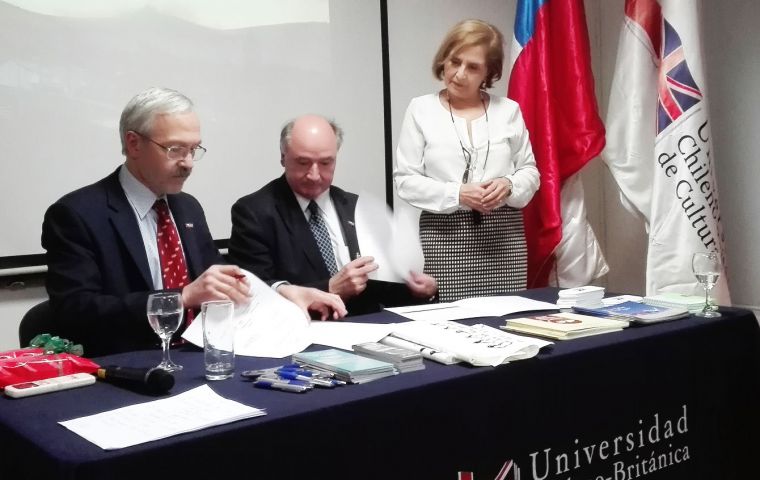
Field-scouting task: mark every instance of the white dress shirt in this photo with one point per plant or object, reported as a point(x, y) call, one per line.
point(141, 198)
point(430, 162)
point(330, 216)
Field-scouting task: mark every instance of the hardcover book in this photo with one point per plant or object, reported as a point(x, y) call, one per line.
point(564, 326)
point(346, 366)
point(404, 360)
point(636, 312)
point(692, 303)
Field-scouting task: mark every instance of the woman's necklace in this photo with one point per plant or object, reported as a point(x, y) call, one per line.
point(466, 153)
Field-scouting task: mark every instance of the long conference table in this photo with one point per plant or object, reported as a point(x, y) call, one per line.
point(674, 400)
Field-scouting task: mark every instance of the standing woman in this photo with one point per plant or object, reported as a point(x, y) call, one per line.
point(464, 158)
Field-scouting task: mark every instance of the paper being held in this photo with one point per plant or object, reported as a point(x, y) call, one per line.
point(391, 239)
point(268, 326)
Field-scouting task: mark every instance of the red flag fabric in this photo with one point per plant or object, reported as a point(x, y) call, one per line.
point(552, 82)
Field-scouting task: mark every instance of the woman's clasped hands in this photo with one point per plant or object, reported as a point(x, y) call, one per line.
point(485, 197)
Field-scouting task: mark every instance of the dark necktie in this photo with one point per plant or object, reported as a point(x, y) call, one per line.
point(322, 236)
point(173, 267)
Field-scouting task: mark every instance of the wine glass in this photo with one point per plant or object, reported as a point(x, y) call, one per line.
point(165, 316)
point(706, 267)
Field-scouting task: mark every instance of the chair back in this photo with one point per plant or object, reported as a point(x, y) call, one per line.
point(39, 319)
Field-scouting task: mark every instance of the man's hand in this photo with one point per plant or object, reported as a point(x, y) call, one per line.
point(352, 279)
point(219, 282)
point(422, 285)
point(312, 300)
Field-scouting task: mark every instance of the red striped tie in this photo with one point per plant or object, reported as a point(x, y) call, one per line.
point(173, 266)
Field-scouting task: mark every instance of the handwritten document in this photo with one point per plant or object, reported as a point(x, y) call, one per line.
point(478, 345)
point(193, 410)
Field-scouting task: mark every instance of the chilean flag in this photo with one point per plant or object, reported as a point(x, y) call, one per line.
point(552, 82)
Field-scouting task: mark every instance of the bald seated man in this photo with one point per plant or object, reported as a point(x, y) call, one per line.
point(104, 241)
point(300, 228)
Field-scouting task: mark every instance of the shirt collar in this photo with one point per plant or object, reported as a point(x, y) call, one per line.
point(140, 197)
point(322, 201)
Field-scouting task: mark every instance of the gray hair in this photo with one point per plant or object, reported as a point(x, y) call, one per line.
point(139, 113)
point(287, 131)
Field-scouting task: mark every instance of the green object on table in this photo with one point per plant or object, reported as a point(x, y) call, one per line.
point(55, 344)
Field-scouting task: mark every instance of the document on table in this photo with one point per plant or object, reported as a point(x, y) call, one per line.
point(193, 410)
point(478, 345)
point(347, 334)
point(495, 306)
point(269, 326)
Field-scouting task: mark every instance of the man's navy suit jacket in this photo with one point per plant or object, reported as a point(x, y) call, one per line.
point(98, 276)
point(271, 238)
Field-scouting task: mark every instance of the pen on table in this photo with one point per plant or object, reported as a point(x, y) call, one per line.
point(318, 382)
point(272, 384)
point(307, 371)
point(321, 375)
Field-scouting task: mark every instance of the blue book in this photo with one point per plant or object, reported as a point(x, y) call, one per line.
point(346, 366)
point(635, 312)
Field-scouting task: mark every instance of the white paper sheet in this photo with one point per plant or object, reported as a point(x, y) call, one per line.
point(479, 345)
point(347, 334)
point(504, 305)
point(193, 410)
point(436, 311)
point(269, 326)
point(472, 307)
point(388, 238)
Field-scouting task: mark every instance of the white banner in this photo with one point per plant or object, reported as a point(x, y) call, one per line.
point(659, 144)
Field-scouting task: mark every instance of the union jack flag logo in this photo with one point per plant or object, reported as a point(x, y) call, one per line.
point(509, 471)
point(677, 90)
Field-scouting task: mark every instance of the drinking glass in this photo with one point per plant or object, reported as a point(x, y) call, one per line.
point(706, 267)
point(165, 316)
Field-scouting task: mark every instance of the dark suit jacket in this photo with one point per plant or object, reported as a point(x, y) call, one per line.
point(271, 238)
point(98, 276)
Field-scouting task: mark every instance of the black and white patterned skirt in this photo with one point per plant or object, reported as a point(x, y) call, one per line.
point(472, 255)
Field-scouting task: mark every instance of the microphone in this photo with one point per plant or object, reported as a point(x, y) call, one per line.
point(149, 380)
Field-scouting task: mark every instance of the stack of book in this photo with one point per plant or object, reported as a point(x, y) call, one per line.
point(692, 303)
point(607, 301)
point(635, 312)
point(563, 326)
point(588, 296)
point(346, 366)
point(404, 360)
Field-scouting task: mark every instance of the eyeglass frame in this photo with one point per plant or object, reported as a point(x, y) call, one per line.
point(194, 151)
point(466, 153)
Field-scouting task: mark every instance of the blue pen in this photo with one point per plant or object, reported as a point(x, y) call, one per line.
point(307, 371)
point(292, 375)
point(273, 384)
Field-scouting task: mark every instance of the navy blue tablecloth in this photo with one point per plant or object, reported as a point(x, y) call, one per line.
point(675, 400)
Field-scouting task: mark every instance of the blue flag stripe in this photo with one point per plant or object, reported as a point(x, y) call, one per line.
point(525, 19)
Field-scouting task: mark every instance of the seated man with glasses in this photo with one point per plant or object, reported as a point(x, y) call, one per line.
point(110, 244)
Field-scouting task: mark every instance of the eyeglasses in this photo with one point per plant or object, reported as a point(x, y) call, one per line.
point(467, 163)
point(468, 167)
point(176, 153)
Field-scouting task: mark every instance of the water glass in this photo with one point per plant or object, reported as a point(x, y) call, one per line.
point(165, 312)
point(218, 339)
point(706, 267)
